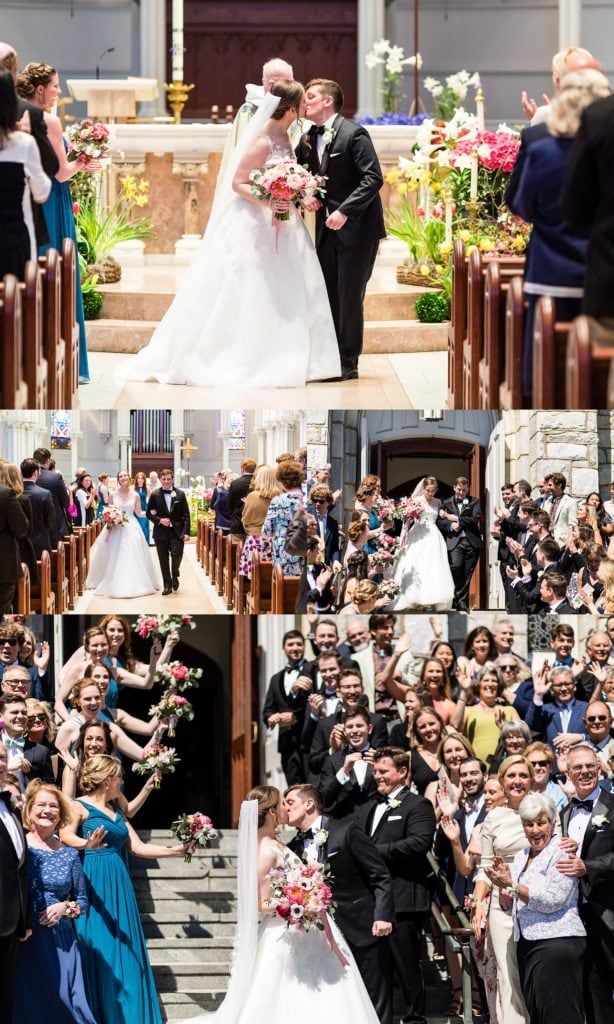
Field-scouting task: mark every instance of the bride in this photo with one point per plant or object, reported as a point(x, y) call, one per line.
point(120, 561)
point(279, 974)
point(253, 310)
point(422, 569)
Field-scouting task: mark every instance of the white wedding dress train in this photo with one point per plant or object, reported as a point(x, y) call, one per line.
point(253, 310)
point(422, 569)
point(120, 561)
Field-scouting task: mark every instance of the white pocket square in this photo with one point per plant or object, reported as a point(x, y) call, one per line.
point(333, 854)
point(395, 817)
point(331, 156)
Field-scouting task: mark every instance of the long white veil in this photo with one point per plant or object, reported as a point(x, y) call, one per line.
point(246, 932)
point(418, 490)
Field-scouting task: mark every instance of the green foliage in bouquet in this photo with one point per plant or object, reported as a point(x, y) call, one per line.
point(433, 308)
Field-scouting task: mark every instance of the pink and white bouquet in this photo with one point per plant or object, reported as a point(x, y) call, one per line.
point(300, 896)
point(157, 627)
point(384, 555)
point(388, 588)
point(172, 706)
point(87, 141)
point(285, 181)
point(496, 151)
point(156, 759)
point(113, 517)
point(385, 509)
point(410, 509)
point(196, 828)
point(177, 676)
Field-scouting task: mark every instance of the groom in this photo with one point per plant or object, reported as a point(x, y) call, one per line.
point(350, 222)
point(168, 510)
point(361, 883)
point(459, 521)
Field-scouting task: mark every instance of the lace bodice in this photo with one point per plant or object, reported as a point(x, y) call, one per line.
point(54, 875)
point(127, 504)
point(278, 151)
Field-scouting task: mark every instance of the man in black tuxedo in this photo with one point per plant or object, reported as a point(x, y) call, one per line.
point(36, 125)
point(168, 510)
point(320, 503)
point(552, 592)
point(53, 482)
point(459, 521)
point(347, 779)
point(523, 593)
point(361, 887)
point(468, 817)
point(350, 221)
point(41, 503)
point(13, 891)
point(329, 735)
point(285, 703)
point(237, 493)
point(14, 526)
point(27, 760)
point(588, 820)
point(402, 826)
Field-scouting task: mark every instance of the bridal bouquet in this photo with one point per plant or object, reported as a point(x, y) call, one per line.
point(385, 509)
point(113, 517)
point(178, 676)
point(387, 547)
point(172, 706)
point(157, 627)
point(156, 759)
point(197, 828)
point(285, 181)
point(388, 588)
point(410, 508)
point(300, 895)
point(88, 140)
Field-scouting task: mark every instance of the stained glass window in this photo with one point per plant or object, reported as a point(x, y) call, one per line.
point(60, 424)
point(237, 430)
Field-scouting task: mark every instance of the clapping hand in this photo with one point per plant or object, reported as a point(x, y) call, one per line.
point(526, 566)
point(499, 872)
point(317, 703)
point(337, 738)
point(302, 683)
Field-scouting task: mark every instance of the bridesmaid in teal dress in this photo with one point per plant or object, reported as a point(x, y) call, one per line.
point(39, 84)
point(140, 488)
point(120, 984)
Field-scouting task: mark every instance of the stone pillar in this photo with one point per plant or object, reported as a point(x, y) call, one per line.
point(123, 436)
point(224, 434)
point(154, 46)
point(371, 27)
point(191, 237)
point(568, 443)
point(317, 438)
point(570, 17)
point(177, 436)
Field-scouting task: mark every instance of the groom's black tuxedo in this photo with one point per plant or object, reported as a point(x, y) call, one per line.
point(362, 891)
point(463, 545)
point(13, 906)
point(169, 539)
point(354, 180)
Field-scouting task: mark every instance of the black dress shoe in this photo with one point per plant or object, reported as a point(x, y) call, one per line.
point(347, 373)
point(175, 584)
point(166, 591)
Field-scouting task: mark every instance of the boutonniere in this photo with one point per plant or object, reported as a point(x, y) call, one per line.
point(320, 836)
point(600, 820)
point(328, 136)
point(14, 803)
point(393, 804)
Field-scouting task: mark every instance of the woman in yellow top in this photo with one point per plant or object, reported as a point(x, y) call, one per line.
point(481, 722)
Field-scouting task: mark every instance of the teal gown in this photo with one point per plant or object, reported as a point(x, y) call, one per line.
point(119, 981)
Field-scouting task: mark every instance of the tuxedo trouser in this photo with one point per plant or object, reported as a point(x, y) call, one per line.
point(463, 559)
point(9, 947)
point(375, 967)
point(347, 270)
point(293, 766)
point(599, 968)
point(170, 553)
point(551, 978)
point(7, 594)
point(405, 949)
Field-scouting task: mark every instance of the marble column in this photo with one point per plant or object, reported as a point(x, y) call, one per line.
point(178, 429)
point(570, 17)
point(124, 439)
point(317, 438)
point(371, 27)
point(154, 48)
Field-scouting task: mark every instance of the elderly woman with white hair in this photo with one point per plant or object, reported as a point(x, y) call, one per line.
point(550, 936)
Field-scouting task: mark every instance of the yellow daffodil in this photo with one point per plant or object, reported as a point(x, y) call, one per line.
point(424, 270)
point(519, 243)
point(464, 235)
point(445, 248)
point(436, 186)
point(486, 244)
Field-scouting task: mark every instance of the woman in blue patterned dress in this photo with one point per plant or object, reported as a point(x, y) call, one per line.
point(49, 984)
point(279, 516)
point(120, 984)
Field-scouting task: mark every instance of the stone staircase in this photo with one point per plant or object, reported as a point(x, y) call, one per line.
point(189, 914)
point(133, 307)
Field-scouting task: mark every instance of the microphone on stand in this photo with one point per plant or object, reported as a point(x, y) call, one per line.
point(103, 54)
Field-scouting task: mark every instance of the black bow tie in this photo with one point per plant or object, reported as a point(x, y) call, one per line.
point(382, 798)
point(166, 492)
point(302, 836)
point(586, 804)
point(317, 129)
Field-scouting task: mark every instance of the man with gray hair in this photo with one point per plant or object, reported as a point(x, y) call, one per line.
point(562, 721)
point(588, 821)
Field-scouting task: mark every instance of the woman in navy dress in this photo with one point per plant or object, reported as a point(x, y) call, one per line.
point(49, 983)
point(120, 982)
point(140, 488)
point(39, 84)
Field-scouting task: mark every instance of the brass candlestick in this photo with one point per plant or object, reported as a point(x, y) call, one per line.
point(178, 93)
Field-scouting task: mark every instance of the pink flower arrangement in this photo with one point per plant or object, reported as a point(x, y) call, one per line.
point(87, 141)
point(300, 896)
point(172, 706)
point(196, 828)
point(177, 676)
point(496, 151)
point(157, 627)
point(156, 758)
point(285, 181)
point(113, 516)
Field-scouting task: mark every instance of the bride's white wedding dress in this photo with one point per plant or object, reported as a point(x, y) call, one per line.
point(120, 561)
point(422, 569)
point(253, 310)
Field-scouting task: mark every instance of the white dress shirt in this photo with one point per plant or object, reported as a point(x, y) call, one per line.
point(383, 808)
point(310, 847)
point(321, 145)
point(471, 816)
point(11, 826)
point(579, 819)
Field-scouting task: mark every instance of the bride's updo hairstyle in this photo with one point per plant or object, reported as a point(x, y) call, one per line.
point(267, 797)
point(33, 76)
point(96, 771)
point(290, 95)
point(430, 480)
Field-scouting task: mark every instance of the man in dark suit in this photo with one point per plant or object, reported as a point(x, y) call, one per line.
point(468, 817)
point(347, 782)
point(588, 820)
point(285, 703)
point(41, 503)
point(552, 591)
point(53, 482)
point(402, 826)
point(13, 890)
point(523, 594)
point(237, 493)
point(329, 735)
point(459, 521)
point(565, 714)
point(350, 221)
point(27, 760)
point(34, 122)
point(168, 510)
point(320, 503)
point(361, 887)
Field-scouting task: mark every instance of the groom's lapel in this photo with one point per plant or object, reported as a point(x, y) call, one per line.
point(337, 123)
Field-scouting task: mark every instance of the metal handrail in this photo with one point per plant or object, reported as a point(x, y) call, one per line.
point(458, 939)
